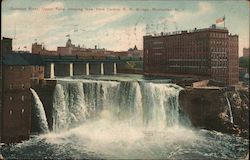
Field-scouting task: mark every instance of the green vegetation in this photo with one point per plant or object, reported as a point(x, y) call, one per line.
point(244, 62)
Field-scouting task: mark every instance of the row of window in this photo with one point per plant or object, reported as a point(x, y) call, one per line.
point(218, 35)
point(11, 98)
point(220, 63)
point(186, 44)
point(12, 68)
point(218, 42)
point(23, 68)
point(11, 112)
point(185, 50)
point(219, 55)
point(188, 49)
point(157, 42)
point(193, 37)
point(22, 85)
point(189, 59)
point(218, 49)
point(178, 57)
point(234, 39)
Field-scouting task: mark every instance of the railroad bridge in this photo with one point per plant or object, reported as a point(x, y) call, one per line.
point(61, 66)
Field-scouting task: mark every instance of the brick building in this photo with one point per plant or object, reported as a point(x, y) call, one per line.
point(39, 49)
point(69, 50)
point(211, 53)
point(19, 73)
point(246, 52)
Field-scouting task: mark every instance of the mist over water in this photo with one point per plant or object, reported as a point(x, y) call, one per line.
point(129, 119)
point(140, 104)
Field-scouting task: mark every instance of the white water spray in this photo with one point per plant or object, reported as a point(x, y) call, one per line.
point(230, 110)
point(40, 113)
point(124, 120)
point(69, 109)
point(140, 104)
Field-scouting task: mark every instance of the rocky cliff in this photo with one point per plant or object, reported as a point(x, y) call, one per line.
point(209, 108)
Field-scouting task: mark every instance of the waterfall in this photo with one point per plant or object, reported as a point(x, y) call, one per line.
point(161, 107)
point(40, 113)
point(147, 104)
point(60, 111)
point(69, 107)
point(230, 110)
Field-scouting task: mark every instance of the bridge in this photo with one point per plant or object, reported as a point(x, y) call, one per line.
point(76, 65)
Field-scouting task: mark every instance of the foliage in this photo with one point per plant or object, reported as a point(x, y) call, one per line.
point(244, 62)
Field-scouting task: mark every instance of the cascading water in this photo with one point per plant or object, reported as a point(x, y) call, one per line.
point(40, 113)
point(69, 107)
point(153, 104)
point(161, 105)
point(123, 119)
point(230, 110)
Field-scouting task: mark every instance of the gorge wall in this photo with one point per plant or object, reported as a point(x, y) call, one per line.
point(210, 109)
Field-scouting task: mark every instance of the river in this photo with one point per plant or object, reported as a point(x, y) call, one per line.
point(123, 117)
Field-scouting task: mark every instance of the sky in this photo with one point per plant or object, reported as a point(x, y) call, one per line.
point(115, 24)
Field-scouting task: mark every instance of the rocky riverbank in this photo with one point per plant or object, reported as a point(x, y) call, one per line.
point(217, 109)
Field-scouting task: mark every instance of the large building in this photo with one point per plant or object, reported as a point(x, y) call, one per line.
point(19, 72)
point(210, 53)
point(246, 52)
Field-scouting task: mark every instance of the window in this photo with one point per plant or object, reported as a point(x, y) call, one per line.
point(10, 112)
point(22, 98)
point(10, 98)
point(22, 86)
point(33, 75)
point(22, 110)
point(11, 67)
point(23, 67)
point(11, 87)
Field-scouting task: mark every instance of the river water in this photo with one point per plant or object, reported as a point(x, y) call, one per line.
point(121, 117)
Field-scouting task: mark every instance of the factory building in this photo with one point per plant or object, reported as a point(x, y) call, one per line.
point(211, 53)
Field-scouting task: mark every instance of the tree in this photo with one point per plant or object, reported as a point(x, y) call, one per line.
point(244, 63)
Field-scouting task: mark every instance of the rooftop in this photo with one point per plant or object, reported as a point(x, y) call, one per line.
point(22, 59)
point(212, 28)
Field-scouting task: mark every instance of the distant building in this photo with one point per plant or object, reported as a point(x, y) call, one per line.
point(209, 53)
point(131, 52)
point(135, 52)
point(20, 71)
point(70, 50)
point(40, 49)
point(246, 52)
